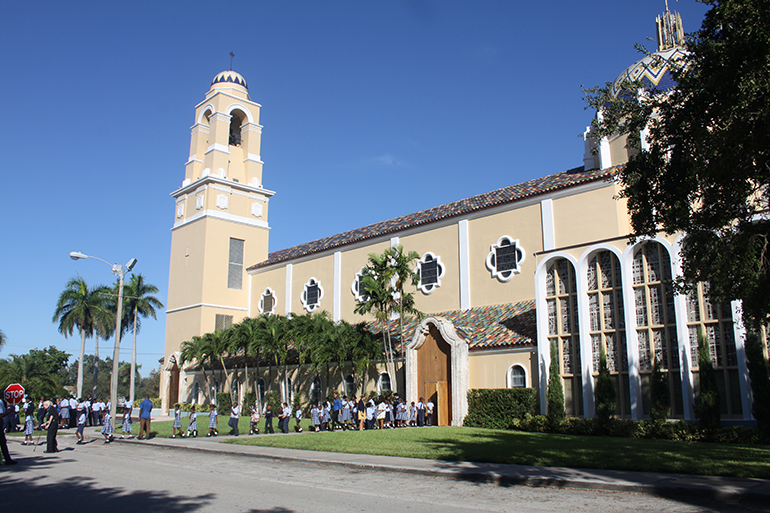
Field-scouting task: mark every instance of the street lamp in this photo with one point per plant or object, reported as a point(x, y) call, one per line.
point(118, 270)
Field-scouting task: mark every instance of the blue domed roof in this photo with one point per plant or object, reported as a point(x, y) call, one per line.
point(653, 71)
point(230, 77)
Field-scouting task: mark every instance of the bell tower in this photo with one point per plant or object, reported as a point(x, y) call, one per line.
point(220, 222)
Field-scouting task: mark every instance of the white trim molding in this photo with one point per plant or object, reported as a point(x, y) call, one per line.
point(458, 361)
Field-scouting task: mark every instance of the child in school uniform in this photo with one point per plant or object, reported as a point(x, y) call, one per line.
point(327, 415)
point(412, 415)
point(345, 416)
point(29, 423)
point(126, 431)
point(254, 421)
point(315, 418)
point(192, 426)
point(81, 426)
point(177, 425)
point(107, 429)
point(298, 419)
point(213, 421)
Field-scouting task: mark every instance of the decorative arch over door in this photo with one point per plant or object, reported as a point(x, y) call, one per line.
point(437, 363)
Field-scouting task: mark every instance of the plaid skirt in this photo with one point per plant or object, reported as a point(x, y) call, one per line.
point(107, 429)
point(127, 424)
point(29, 425)
point(177, 422)
point(193, 425)
point(212, 421)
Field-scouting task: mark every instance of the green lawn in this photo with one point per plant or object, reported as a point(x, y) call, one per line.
point(497, 446)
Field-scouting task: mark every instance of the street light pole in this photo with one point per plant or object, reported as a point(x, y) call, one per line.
point(120, 272)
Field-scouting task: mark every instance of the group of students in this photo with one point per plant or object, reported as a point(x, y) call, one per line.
point(340, 412)
point(360, 414)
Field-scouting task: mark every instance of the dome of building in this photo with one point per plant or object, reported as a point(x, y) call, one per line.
point(229, 77)
point(653, 71)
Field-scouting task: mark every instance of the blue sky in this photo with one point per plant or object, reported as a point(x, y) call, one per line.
point(371, 109)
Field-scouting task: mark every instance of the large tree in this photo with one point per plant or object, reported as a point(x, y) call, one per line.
point(85, 308)
point(704, 168)
point(138, 302)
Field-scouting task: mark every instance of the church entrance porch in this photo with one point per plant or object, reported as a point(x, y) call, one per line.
point(437, 370)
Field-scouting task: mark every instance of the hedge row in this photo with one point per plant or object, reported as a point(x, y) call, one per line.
point(498, 408)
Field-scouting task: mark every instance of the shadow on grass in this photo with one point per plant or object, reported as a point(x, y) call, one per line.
point(79, 494)
point(563, 461)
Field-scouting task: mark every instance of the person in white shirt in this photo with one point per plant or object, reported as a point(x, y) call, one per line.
point(235, 413)
point(96, 413)
point(73, 412)
point(429, 406)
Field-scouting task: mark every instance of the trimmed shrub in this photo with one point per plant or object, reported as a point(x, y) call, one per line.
point(223, 403)
point(605, 395)
point(273, 398)
point(498, 408)
point(659, 393)
point(249, 399)
point(760, 382)
point(555, 393)
point(707, 409)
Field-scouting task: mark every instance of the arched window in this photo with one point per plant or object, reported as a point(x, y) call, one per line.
point(196, 391)
point(561, 301)
point(656, 321)
point(383, 384)
point(261, 386)
point(606, 317)
point(236, 120)
point(517, 377)
point(315, 390)
point(350, 385)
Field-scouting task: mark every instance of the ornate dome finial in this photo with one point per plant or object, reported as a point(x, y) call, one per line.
point(670, 31)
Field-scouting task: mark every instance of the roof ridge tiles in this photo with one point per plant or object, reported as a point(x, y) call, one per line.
point(509, 194)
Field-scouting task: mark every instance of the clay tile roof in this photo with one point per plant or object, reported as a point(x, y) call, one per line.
point(483, 327)
point(510, 194)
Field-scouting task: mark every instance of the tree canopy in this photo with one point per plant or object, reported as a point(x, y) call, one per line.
point(704, 167)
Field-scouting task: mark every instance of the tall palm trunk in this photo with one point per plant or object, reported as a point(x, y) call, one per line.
point(80, 362)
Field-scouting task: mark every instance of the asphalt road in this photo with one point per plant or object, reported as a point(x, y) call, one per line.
point(123, 477)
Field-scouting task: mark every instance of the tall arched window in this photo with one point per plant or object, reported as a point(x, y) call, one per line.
point(561, 301)
point(196, 392)
point(236, 120)
point(350, 385)
point(261, 386)
point(607, 323)
point(716, 322)
point(383, 383)
point(656, 321)
point(517, 377)
point(315, 390)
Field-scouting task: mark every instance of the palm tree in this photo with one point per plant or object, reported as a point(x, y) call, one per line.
point(246, 336)
point(138, 302)
point(403, 272)
point(274, 332)
point(2, 338)
point(198, 349)
point(85, 308)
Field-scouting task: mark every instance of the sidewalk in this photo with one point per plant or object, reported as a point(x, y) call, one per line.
point(669, 485)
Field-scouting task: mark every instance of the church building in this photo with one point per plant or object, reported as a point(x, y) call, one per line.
point(503, 276)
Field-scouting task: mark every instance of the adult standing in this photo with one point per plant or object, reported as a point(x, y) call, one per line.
point(145, 414)
point(336, 407)
point(87, 410)
point(429, 406)
point(74, 414)
point(64, 411)
point(51, 424)
point(421, 412)
point(96, 412)
point(5, 411)
point(235, 413)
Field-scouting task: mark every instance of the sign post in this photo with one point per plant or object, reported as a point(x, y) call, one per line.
point(13, 394)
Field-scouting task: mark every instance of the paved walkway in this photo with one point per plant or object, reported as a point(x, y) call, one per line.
point(676, 485)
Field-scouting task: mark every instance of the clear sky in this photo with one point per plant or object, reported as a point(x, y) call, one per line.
point(371, 110)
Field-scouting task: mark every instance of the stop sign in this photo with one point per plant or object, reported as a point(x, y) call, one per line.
point(14, 394)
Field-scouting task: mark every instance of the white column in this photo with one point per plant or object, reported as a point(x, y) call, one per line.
point(739, 332)
point(586, 349)
point(289, 269)
point(337, 299)
point(546, 219)
point(632, 340)
point(465, 266)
